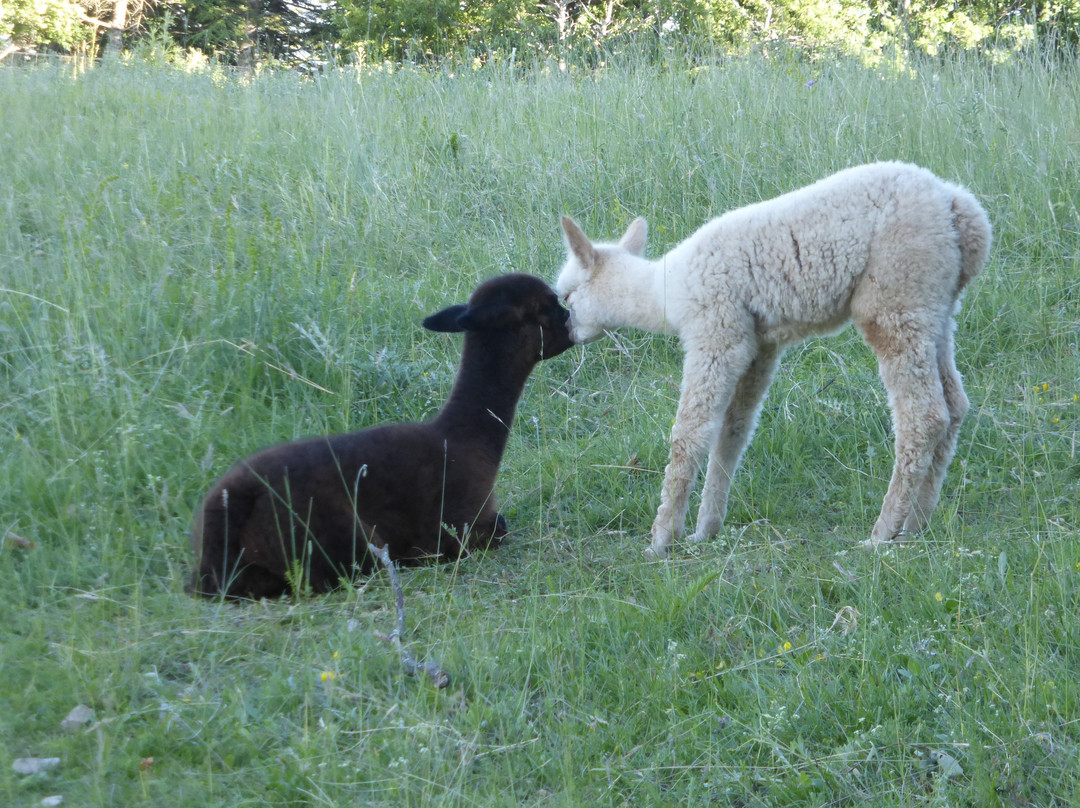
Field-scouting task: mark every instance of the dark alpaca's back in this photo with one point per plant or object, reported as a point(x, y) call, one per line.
point(306, 510)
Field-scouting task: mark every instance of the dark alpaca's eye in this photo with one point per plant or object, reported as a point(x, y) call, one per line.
point(557, 312)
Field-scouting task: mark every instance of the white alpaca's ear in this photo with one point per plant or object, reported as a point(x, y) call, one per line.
point(633, 240)
point(579, 243)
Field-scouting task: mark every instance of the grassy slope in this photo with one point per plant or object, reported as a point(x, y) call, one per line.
point(192, 267)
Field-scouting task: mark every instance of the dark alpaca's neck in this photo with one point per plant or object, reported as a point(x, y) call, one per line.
point(489, 384)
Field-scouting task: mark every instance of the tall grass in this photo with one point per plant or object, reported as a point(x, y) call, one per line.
point(192, 267)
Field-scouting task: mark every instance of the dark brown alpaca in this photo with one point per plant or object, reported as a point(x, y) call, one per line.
point(306, 510)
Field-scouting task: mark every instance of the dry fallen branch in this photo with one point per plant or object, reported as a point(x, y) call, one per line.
point(438, 676)
point(846, 620)
point(17, 541)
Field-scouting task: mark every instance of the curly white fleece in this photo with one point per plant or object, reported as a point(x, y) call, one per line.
point(888, 246)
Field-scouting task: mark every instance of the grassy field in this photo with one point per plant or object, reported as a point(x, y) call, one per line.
point(192, 267)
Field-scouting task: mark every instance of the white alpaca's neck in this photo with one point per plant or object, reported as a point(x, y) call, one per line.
point(645, 296)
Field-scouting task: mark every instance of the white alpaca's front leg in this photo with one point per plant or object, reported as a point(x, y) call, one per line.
point(731, 439)
point(713, 508)
point(667, 528)
point(709, 381)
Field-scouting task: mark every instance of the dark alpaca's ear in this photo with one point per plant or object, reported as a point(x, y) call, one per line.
point(488, 316)
point(449, 320)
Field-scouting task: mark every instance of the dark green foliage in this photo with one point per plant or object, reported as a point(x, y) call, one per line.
point(586, 32)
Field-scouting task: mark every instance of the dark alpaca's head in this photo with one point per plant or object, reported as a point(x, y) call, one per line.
point(516, 308)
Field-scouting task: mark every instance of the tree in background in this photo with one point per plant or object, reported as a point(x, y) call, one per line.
point(66, 24)
point(393, 28)
point(26, 23)
point(242, 32)
point(396, 29)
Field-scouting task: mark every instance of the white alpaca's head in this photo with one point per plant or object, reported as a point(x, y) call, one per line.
point(590, 284)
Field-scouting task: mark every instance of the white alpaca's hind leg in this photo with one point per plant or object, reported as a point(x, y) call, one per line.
point(731, 440)
point(957, 403)
point(920, 421)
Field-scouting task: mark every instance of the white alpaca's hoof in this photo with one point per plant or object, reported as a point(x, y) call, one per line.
point(654, 553)
point(877, 543)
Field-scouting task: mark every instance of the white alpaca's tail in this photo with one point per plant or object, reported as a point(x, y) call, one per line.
point(973, 227)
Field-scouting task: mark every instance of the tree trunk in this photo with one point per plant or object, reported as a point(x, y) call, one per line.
point(245, 60)
point(116, 29)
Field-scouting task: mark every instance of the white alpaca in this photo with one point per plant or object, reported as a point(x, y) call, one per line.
point(887, 245)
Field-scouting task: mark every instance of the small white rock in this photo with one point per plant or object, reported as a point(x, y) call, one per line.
point(79, 715)
point(32, 765)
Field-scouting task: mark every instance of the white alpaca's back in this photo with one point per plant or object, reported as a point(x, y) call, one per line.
point(794, 262)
